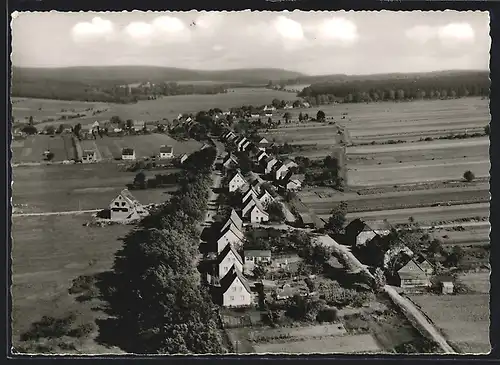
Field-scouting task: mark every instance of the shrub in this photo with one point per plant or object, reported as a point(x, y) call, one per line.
point(329, 314)
point(469, 176)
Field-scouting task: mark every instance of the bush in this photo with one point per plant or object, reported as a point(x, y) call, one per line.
point(329, 314)
point(469, 176)
point(49, 327)
point(82, 330)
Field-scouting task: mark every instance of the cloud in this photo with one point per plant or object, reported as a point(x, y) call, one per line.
point(218, 48)
point(96, 28)
point(163, 28)
point(288, 28)
point(337, 30)
point(449, 34)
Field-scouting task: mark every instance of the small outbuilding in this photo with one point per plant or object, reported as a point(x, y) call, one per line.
point(447, 287)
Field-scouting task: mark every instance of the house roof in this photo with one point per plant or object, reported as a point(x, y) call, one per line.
point(127, 195)
point(238, 173)
point(421, 260)
point(127, 151)
point(263, 140)
point(222, 255)
point(411, 270)
point(259, 206)
point(166, 149)
point(257, 253)
point(229, 278)
point(235, 219)
point(231, 227)
point(306, 218)
point(88, 152)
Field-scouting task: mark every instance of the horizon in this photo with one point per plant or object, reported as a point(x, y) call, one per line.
point(314, 44)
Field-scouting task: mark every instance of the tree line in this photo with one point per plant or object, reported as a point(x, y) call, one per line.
point(155, 295)
point(404, 89)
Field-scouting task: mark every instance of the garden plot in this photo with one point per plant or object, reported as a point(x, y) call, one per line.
point(463, 319)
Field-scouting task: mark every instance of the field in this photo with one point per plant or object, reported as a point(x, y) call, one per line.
point(463, 319)
point(48, 252)
point(57, 188)
point(151, 110)
point(108, 148)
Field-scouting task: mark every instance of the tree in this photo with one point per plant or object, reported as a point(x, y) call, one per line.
point(77, 129)
point(60, 129)
point(335, 223)
point(301, 117)
point(469, 176)
point(140, 180)
point(301, 308)
point(129, 124)
point(31, 121)
point(49, 156)
point(259, 271)
point(320, 115)
point(276, 103)
point(50, 130)
point(380, 279)
point(30, 129)
point(435, 246)
point(287, 117)
point(275, 211)
point(455, 256)
point(115, 120)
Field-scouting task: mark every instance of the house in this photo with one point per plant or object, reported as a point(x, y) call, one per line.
point(254, 257)
point(268, 114)
point(424, 264)
point(230, 235)
point(89, 156)
point(128, 154)
point(125, 207)
point(138, 125)
point(236, 182)
point(269, 164)
point(261, 155)
point(358, 232)
point(251, 192)
point(289, 164)
point(234, 219)
point(166, 152)
point(258, 214)
point(412, 276)
point(255, 115)
point(229, 161)
point(117, 130)
point(228, 258)
point(305, 104)
point(292, 182)
point(246, 145)
point(183, 158)
point(235, 290)
point(269, 108)
point(241, 142)
point(255, 183)
point(229, 135)
point(285, 292)
point(293, 185)
point(307, 221)
point(447, 287)
point(280, 171)
point(265, 198)
point(263, 141)
point(288, 106)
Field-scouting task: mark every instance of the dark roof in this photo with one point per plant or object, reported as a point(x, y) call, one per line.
point(229, 278)
point(225, 252)
point(306, 218)
point(235, 219)
point(228, 228)
point(127, 151)
point(166, 149)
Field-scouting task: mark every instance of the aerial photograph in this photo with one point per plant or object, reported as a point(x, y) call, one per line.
point(250, 183)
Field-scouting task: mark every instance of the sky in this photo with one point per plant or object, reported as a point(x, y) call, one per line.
point(313, 43)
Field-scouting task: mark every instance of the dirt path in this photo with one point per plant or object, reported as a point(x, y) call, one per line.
point(70, 212)
point(414, 315)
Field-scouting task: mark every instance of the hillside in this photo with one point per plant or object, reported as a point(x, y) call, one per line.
point(134, 74)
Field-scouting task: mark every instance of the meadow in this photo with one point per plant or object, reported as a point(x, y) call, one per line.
point(463, 319)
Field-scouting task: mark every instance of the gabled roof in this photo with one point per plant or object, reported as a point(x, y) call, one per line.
point(231, 227)
point(411, 270)
point(238, 173)
point(250, 189)
point(127, 151)
point(128, 197)
point(88, 152)
point(235, 219)
point(166, 149)
point(258, 205)
point(263, 140)
point(421, 260)
point(229, 278)
point(222, 255)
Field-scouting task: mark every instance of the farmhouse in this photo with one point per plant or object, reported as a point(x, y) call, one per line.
point(234, 219)
point(128, 154)
point(268, 114)
point(412, 276)
point(269, 164)
point(305, 104)
point(166, 152)
point(226, 259)
point(234, 290)
point(254, 257)
point(358, 232)
point(236, 182)
point(447, 287)
point(126, 207)
point(89, 156)
point(230, 235)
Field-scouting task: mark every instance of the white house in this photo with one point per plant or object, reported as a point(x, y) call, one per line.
point(128, 154)
point(166, 152)
point(280, 171)
point(234, 219)
point(255, 115)
point(231, 235)
point(261, 155)
point(294, 185)
point(265, 198)
point(235, 290)
point(254, 257)
point(228, 258)
point(247, 206)
point(269, 114)
point(270, 164)
point(269, 108)
point(288, 106)
point(263, 140)
point(258, 214)
point(305, 104)
point(138, 126)
point(89, 156)
point(126, 207)
point(236, 182)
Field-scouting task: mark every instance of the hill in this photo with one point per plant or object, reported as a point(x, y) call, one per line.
point(135, 74)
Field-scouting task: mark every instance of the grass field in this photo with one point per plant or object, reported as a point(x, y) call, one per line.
point(152, 110)
point(76, 187)
point(47, 254)
point(463, 319)
point(108, 148)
